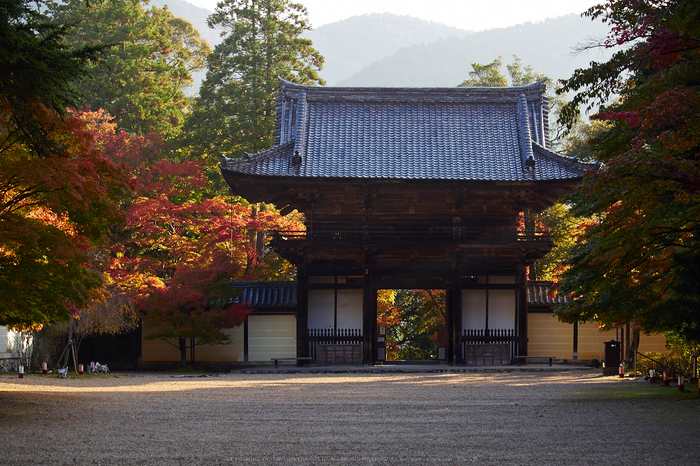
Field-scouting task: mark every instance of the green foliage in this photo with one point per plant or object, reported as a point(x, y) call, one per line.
point(488, 75)
point(235, 112)
point(639, 255)
point(413, 323)
point(53, 211)
point(58, 194)
point(141, 79)
point(520, 76)
point(562, 227)
point(37, 69)
point(575, 141)
point(676, 363)
point(42, 275)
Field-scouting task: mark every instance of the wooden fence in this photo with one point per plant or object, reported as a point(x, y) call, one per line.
point(506, 336)
point(341, 336)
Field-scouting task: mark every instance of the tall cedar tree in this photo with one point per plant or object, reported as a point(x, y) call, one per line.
point(141, 79)
point(58, 193)
point(638, 259)
point(235, 112)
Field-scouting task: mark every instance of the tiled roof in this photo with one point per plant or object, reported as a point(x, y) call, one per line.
point(267, 295)
point(441, 134)
point(283, 295)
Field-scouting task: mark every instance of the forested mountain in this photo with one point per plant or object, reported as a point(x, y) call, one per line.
point(546, 46)
point(356, 42)
point(391, 50)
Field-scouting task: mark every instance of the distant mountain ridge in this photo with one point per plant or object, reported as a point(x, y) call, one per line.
point(401, 51)
point(547, 46)
point(356, 42)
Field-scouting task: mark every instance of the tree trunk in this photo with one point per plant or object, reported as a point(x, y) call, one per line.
point(632, 347)
point(192, 345)
point(182, 342)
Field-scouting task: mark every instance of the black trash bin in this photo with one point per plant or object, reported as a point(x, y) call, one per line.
point(612, 358)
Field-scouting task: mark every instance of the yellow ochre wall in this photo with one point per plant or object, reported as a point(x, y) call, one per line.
point(271, 337)
point(549, 337)
point(268, 336)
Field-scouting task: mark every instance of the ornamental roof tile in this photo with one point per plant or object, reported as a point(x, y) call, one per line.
point(477, 134)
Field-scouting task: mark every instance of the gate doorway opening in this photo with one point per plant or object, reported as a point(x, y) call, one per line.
point(411, 325)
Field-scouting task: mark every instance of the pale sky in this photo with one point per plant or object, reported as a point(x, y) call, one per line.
point(475, 15)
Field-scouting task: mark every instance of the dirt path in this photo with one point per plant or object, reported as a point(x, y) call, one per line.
point(517, 418)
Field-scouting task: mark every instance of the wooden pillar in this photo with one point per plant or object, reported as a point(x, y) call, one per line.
point(456, 312)
point(522, 310)
point(245, 340)
point(302, 312)
point(369, 318)
point(449, 322)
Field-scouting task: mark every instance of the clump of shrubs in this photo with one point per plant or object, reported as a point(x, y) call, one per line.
point(676, 363)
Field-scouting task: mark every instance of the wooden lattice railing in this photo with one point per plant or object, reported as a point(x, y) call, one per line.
point(491, 336)
point(341, 336)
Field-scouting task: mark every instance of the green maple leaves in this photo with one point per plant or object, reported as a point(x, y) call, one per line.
point(637, 256)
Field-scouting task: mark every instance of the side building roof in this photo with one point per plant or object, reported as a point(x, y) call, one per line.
point(267, 297)
point(464, 134)
point(281, 297)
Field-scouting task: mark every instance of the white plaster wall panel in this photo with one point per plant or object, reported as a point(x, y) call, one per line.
point(502, 309)
point(349, 309)
point(321, 308)
point(3, 339)
point(473, 309)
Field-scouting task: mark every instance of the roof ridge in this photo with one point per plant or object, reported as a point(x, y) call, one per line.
point(525, 134)
point(532, 92)
point(252, 158)
point(299, 133)
point(572, 161)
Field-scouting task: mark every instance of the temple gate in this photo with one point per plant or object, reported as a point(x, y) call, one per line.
point(410, 188)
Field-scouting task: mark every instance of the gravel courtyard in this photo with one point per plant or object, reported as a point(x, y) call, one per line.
point(572, 417)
